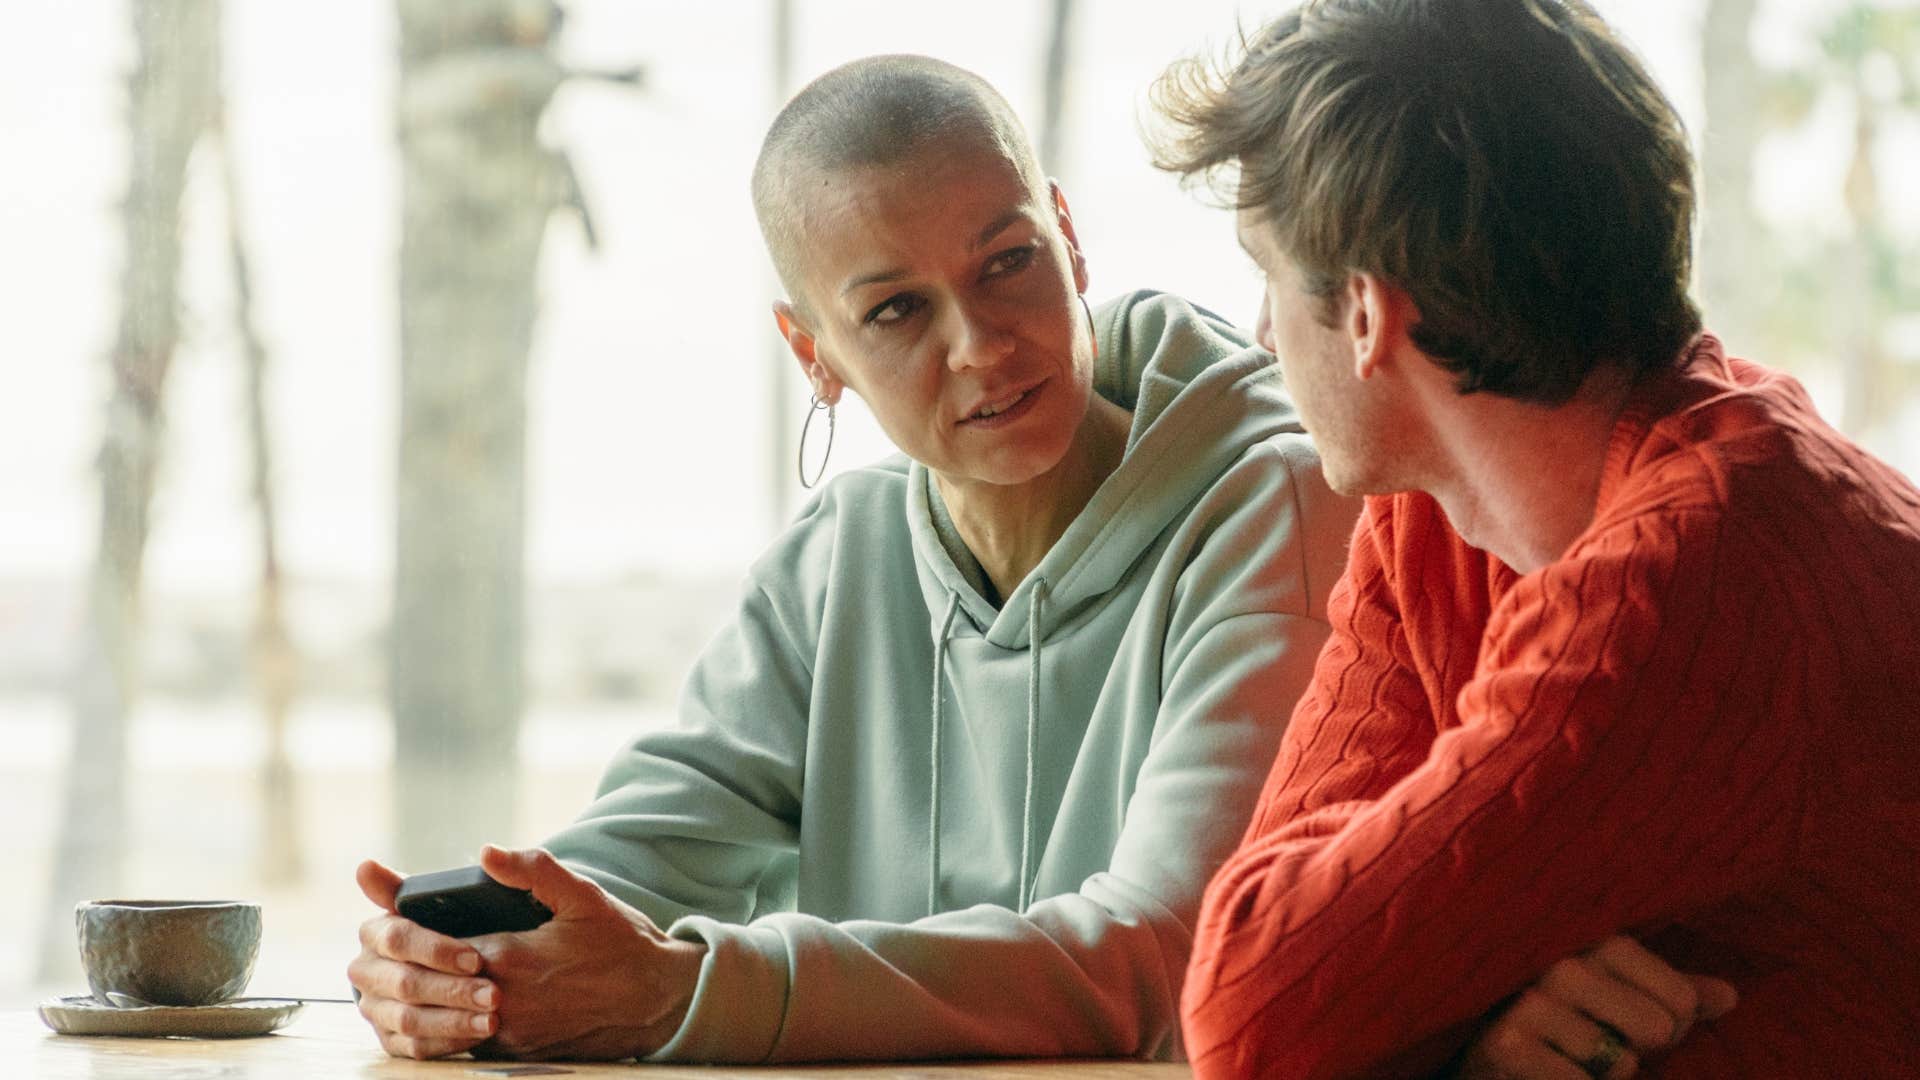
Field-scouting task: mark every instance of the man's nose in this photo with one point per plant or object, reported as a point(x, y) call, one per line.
point(1263, 326)
point(978, 340)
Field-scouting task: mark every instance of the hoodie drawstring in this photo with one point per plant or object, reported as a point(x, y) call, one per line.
point(933, 809)
point(1034, 638)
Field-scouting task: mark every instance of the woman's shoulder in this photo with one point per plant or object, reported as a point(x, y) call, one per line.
point(858, 515)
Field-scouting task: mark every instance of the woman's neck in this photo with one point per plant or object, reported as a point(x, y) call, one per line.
point(1010, 528)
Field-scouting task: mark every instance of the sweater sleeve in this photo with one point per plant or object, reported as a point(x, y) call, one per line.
point(1334, 752)
point(1618, 761)
point(1093, 972)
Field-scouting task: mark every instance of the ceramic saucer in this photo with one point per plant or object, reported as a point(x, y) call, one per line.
point(234, 1019)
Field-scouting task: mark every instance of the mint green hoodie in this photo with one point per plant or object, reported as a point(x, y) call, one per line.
point(909, 824)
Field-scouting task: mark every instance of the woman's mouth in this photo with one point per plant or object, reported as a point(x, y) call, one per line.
point(1003, 411)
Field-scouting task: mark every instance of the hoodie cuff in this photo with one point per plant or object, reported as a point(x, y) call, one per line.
point(740, 999)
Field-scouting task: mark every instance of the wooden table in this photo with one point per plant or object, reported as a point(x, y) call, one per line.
point(331, 1041)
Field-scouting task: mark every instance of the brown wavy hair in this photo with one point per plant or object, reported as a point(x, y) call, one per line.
point(1510, 163)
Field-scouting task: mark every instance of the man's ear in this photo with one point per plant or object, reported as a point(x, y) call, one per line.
point(1375, 317)
point(1064, 218)
point(800, 342)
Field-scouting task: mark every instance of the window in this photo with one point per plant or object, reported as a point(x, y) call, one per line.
point(514, 476)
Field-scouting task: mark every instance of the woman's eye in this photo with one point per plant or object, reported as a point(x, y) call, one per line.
point(1010, 260)
point(893, 309)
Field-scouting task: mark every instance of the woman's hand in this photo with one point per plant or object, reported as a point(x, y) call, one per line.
point(597, 982)
point(1596, 1015)
point(420, 990)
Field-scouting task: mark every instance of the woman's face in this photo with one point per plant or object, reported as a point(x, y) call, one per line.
point(943, 290)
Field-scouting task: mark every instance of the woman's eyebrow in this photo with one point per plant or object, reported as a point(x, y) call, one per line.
point(998, 225)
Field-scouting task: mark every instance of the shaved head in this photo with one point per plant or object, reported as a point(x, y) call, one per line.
point(877, 112)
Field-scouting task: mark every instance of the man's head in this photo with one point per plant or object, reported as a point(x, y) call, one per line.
point(930, 267)
point(1508, 164)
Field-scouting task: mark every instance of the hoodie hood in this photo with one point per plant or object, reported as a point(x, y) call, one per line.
point(1200, 395)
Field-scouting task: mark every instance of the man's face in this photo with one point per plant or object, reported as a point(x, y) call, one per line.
point(1338, 409)
point(943, 290)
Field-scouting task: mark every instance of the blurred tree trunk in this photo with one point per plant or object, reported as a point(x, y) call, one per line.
point(1053, 107)
point(1730, 234)
point(171, 96)
point(783, 403)
point(1859, 309)
point(477, 190)
point(275, 662)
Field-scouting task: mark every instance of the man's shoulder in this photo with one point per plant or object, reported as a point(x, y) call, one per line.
point(1744, 445)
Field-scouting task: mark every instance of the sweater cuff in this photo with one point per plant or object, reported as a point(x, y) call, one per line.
point(740, 1000)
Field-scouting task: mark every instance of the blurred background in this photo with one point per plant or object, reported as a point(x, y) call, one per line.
point(389, 403)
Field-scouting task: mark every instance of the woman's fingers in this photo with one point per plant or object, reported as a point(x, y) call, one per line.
point(379, 883)
point(422, 1047)
point(416, 985)
point(402, 939)
point(427, 1023)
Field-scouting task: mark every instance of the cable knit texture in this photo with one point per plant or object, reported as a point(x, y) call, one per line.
point(1700, 726)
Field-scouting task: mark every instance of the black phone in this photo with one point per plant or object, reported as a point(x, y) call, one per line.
point(467, 902)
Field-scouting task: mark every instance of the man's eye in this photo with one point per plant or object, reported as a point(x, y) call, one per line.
point(893, 309)
point(1010, 260)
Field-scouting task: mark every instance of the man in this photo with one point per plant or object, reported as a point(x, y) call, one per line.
point(1627, 637)
point(927, 796)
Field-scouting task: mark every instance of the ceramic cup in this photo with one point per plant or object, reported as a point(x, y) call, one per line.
point(168, 952)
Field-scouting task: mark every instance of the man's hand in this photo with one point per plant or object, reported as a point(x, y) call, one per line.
point(1596, 1015)
point(599, 981)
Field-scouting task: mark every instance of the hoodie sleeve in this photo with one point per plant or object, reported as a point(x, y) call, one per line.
point(690, 816)
point(1098, 971)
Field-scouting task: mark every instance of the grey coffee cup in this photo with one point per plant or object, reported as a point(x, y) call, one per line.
point(168, 952)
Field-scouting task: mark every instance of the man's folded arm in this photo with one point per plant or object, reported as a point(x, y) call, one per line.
point(1596, 784)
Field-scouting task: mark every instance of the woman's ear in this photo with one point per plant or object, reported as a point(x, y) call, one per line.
point(1064, 218)
point(800, 341)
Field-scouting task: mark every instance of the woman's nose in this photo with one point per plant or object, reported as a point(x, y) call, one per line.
point(977, 341)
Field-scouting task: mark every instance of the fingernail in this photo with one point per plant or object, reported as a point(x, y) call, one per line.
point(482, 1023)
point(484, 997)
point(470, 962)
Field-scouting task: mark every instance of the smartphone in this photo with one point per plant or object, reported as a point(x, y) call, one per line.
point(466, 902)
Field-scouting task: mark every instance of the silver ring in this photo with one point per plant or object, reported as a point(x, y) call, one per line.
point(1612, 1047)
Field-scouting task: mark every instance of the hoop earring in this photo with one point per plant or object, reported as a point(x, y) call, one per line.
point(800, 460)
point(1093, 332)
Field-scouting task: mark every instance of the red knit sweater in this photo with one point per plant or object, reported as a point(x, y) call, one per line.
point(1700, 726)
